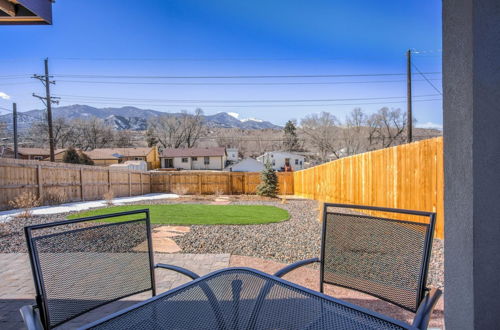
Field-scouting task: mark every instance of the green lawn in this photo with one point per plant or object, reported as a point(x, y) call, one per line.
point(197, 214)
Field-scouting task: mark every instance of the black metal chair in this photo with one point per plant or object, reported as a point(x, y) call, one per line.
point(373, 250)
point(79, 265)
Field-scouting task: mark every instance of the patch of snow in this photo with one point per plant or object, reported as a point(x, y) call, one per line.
point(234, 114)
point(81, 206)
point(252, 119)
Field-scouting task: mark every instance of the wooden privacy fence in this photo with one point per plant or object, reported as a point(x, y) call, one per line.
point(68, 181)
point(79, 182)
point(408, 176)
point(211, 182)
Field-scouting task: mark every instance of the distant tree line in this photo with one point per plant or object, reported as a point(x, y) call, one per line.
point(329, 138)
point(176, 131)
point(321, 137)
point(84, 134)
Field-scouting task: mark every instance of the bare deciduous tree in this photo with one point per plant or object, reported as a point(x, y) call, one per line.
point(92, 133)
point(193, 127)
point(388, 126)
point(166, 130)
point(320, 132)
point(61, 128)
point(175, 131)
point(354, 140)
point(123, 139)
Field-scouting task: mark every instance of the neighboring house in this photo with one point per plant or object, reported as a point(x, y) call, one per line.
point(280, 159)
point(232, 155)
point(194, 158)
point(108, 156)
point(246, 165)
point(33, 153)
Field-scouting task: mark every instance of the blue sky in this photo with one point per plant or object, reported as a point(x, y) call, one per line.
point(230, 38)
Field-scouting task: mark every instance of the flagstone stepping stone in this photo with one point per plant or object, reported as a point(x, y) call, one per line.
point(162, 241)
point(160, 244)
point(166, 245)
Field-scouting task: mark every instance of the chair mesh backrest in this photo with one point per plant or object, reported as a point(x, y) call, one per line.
point(381, 256)
point(81, 265)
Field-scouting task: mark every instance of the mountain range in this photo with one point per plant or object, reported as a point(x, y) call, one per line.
point(131, 118)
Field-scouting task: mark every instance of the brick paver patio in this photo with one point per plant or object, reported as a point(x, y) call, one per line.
point(17, 290)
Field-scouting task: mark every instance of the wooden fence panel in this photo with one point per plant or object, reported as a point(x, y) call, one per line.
point(237, 183)
point(94, 183)
point(210, 182)
point(17, 179)
point(66, 182)
point(408, 176)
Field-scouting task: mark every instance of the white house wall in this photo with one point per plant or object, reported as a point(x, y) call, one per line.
point(216, 163)
point(179, 164)
point(279, 160)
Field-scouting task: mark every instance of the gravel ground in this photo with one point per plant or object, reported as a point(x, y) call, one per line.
point(287, 241)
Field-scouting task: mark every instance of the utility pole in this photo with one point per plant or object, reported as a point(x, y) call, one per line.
point(47, 100)
point(409, 115)
point(14, 123)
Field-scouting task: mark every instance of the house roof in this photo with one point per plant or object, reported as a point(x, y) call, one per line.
point(246, 165)
point(193, 152)
point(115, 153)
point(283, 153)
point(38, 151)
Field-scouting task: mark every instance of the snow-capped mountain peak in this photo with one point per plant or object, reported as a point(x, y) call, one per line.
point(243, 120)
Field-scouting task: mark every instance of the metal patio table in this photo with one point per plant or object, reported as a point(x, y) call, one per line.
point(244, 298)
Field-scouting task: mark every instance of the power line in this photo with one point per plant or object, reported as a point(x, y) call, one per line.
point(194, 59)
point(235, 76)
point(238, 101)
point(14, 76)
point(18, 83)
point(21, 114)
point(423, 75)
point(240, 83)
point(250, 106)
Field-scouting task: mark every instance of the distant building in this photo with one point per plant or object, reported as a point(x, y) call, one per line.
point(108, 156)
point(246, 165)
point(32, 153)
point(232, 155)
point(194, 158)
point(136, 165)
point(281, 159)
